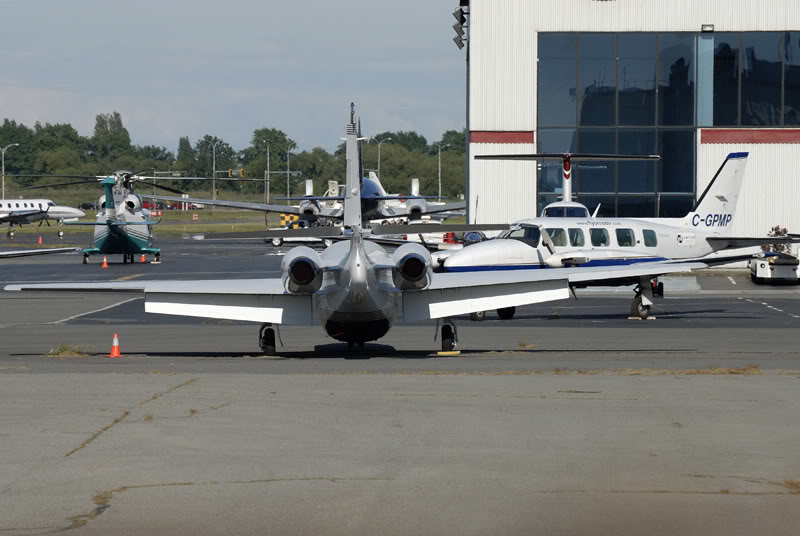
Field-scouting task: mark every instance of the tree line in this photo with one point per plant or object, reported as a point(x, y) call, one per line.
point(59, 149)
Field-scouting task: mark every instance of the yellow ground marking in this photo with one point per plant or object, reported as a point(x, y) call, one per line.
point(128, 277)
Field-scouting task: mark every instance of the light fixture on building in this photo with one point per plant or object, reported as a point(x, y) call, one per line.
point(706, 28)
point(460, 16)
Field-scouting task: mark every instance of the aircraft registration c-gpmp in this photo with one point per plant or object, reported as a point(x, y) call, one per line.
point(356, 290)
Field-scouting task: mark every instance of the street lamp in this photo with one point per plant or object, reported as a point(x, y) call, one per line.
point(379, 155)
point(440, 167)
point(4, 149)
point(266, 179)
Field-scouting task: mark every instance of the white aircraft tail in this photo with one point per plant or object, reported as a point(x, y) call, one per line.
point(716, 207)
point(374, 177)
point(414, 186)
point(352, 190)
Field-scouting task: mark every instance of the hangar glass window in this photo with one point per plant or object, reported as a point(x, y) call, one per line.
point(637, 206)
point(553, 140)
point(637, 79)
point(599, 237)
point(726, 79)
point(637, 175)
point(597, 79)
point(791, 73)
point(557, 79)
point(676, 78)
point(605, 205)
point(761, 78)
point(558, 236)
point(576, 238)
point(625, 238)
point(596, 175)
point(650, 239)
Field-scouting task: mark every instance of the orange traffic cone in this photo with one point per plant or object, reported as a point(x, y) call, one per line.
point(115, 347)
point(105, 262)
point(143, 259)
point(40, 240)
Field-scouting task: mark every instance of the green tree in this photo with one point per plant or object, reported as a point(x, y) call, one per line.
point(111, 139)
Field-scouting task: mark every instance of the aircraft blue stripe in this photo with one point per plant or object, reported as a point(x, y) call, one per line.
point(603, 262)
point(738, 155)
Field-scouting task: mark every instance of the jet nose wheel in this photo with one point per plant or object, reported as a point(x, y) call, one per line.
point(61, 234)
point(639, 309)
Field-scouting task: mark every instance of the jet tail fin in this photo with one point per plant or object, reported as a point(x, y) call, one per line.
point(716, 207)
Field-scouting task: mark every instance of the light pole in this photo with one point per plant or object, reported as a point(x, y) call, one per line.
point(440, 167)
point(288, 154)
point(379, 155)
point(214, 171)
point(266, 179)
point(4, 149)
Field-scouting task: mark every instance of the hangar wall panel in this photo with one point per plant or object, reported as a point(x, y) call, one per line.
point(771, 185)
point(507, 190)
point(640, 15)
point(503, 71)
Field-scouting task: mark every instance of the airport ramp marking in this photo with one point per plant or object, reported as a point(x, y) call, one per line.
point(128, 277)
point(106, 308)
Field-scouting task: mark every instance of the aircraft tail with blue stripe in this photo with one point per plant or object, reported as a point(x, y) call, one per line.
point(716, 207)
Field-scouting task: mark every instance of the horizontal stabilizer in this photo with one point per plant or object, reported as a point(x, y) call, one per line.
point(311, 232)
point(312, 198)
point(436, 228)
point(32, 252)
point(726, 242)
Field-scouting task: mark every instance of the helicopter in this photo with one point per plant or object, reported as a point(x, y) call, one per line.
point(122, 226)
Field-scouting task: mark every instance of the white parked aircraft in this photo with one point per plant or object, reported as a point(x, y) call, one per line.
point(355, 289)
point(22, 211)
point(572, 238)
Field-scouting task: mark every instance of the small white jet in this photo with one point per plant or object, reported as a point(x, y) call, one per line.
point(22, 211)
point(355, 289)
point(566, 236)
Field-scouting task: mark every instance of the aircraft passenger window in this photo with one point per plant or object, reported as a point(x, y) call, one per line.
point(558, 236)
point(25, 205)
point(576, 238)
point(599, 237)
point(650, 239)
point(625, 238)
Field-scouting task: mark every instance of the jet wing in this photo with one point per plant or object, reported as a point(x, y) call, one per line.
point(248, 300)
point(21, 215)
point(730, 242)
point(459, 293)
point(398, 212)
point(31, 252)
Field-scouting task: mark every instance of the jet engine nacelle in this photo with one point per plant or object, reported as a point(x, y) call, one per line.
point(413, 268)
point(133, 202)
point(309, 210)
point(302, 270)
point(416, 208)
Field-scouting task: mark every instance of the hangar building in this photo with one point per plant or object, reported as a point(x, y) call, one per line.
point(691, 80)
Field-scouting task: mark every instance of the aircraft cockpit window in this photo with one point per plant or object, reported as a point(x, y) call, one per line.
point(625, 238)
point(50, 204)
point(577, 212)
point(558, 236)
point(576, 238)
point(554, 212)
point(650, 239)
point(529, 235)
point(599, 237)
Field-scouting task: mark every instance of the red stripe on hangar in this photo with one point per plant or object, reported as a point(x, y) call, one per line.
point(750, 135)
point(501, 136)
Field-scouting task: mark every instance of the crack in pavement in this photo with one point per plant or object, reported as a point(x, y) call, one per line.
point(124, 415)
point(102, 500)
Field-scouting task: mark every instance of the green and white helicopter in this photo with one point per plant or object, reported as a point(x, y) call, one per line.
point(122, 225)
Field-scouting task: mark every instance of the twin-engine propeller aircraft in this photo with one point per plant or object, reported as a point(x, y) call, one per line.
point(122, 226)
point(566, 236)
point(22, 211)
point(355, 289)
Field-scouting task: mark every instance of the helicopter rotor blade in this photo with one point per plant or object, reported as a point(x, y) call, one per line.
point(58, 185)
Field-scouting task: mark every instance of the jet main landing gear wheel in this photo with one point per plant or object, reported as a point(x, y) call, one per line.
point(506, 313)
point(86, 259)
point(477, 316)
point(449, 335)
point(266, 339)
point(639, 309)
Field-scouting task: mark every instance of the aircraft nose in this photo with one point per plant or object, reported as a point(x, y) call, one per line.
point(78, 213)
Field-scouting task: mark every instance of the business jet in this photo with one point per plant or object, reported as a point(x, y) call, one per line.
point(567, 236)
point(23, 211)
point(355, 289)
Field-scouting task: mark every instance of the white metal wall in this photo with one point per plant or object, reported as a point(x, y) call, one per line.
point(507, 191)
point(771, 189)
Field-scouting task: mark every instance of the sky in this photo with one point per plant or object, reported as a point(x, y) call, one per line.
point(227, 67)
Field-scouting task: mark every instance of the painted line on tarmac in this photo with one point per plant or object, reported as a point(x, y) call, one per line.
point(106, 308)
point(731, 280)
point(128, 277)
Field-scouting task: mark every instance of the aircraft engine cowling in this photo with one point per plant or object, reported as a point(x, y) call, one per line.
point(302, 270)
point(413, 268)
point(309, 210)
point(416, 208)
point(133, 203)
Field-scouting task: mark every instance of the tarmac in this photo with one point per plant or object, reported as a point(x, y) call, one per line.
point(568, 419)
